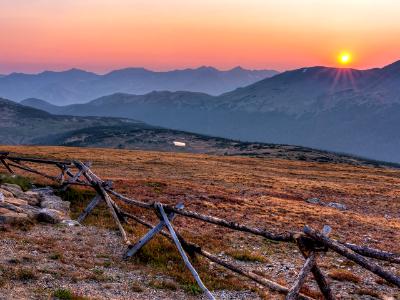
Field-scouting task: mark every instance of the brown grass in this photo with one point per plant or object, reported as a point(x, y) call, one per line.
point(344, 275)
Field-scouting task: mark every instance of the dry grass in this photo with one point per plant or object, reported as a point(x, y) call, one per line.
point(257, 192)
point(344, 275)
point(246, 255)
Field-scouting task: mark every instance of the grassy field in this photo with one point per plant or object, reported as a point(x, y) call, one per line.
point(266, 193)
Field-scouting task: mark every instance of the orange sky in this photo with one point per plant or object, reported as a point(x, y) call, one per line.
point(101, 35)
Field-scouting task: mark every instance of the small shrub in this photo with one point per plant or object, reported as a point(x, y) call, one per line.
point(163, 284)
point(65, 294)
point(56, 256)
point(135, 287)
point(192, 289)
point(25, 274)
point(344, 275)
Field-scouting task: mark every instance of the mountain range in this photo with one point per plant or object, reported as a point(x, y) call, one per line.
point(25, 125)
point(78, 86)
point(344, 110)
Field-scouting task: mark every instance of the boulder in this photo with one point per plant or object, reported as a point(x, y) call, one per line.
point(16, 201)
point(10, 217)
point(6, 193)
point(49, 215)
point(55, 202)
point(11, 207)
point(34, 198)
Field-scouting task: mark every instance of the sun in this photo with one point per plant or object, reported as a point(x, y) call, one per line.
point(344, 58)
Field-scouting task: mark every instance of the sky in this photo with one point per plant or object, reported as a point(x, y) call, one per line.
point(101, 35)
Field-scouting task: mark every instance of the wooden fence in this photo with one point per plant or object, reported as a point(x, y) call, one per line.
point(311, 243)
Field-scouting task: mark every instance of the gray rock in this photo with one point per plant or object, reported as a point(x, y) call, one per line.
point(315, 201)
point(337, 205)
point(1, 197)
point(55, 202)
point(49, 216)
point(70, 223)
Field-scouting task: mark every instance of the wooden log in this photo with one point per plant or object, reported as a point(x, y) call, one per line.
point(3, 161)
point(359, 259)
point(307, 246)
point(284, 237)
point(374, 253)
point(97, 185)
point(305, 270)
point(183, 254)
point(89, 208)
point(197, 249)
point(40, 160)
point(108, 200)
point(28, 169)
point(149, 235)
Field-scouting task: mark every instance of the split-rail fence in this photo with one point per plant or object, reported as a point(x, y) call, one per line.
point(312, 244)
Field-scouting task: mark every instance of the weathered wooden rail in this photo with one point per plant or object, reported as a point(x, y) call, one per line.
point(311, 243)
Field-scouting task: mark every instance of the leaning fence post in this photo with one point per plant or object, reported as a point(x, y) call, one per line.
point(149, 235)
point(182, 252)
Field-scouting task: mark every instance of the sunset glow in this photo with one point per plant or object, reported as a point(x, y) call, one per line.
point(344, 58)
point(100, 35)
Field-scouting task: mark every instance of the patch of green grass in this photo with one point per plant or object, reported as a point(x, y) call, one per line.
point(192, 289)
point(23, 182)
point(66, 294)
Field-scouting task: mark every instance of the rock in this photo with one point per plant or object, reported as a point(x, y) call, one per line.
point(6, 193)
point(10, 217)
point(16, 201)
point(315, 201)
point(15, 190)
point(12, 186)
point(34, 198)
point(70, 223)
point(55, 202)
point(43, 191)
point(49, 215)
point(337, 205)
point(11, 206)
point(39, 204)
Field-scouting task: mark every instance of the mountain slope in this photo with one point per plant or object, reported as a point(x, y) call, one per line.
point(341, 110)
point(77, 86)
point(24, 125)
